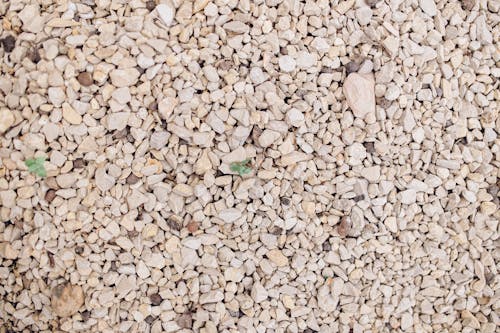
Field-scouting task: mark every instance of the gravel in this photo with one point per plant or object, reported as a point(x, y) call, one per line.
point(370, 128)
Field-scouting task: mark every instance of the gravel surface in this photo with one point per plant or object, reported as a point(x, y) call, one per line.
point(263, 166)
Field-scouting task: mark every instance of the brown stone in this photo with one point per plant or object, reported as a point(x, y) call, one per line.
point(67, 299)
point(50, 195)
point(85, 79)
point(192, 227)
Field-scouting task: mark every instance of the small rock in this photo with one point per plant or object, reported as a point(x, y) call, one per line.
point(408, 197)
point(85, 79)
point(351, 67)
point(230, 215)
point(359, 90)
point(50, 195)
point(124, 77)
point(159, 139)
point(166, 13)
point(132, 179)
point(183, 190)
point(67, 299)
point(468, 4)
point(103, 181)
point(192, 227)
point(391, 224)
point(364, 15)
point(236, 27)
point(6, 119)
point(213, 296)
point(199, 5)
point(372, 174)
point(277, 257)
point(185, 320)
point(428, 7)
point(268, 137)
point(344, 227)
point(150, 5)
point(294, 117)
point(8, 43)
point(7, 252)
point(305, 59)
point(57, 96)
point(257, 75)
point(70, 115)
point(233, 274)
point(392, 93)
point(118, 120)
point(287, 63)
point(155, 299)
point(259, 293)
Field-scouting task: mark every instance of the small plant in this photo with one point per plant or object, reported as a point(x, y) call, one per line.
point(35, 165)
point(242, 168)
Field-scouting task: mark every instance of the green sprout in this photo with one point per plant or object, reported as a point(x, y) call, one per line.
point(242, 168)
point(35, 165)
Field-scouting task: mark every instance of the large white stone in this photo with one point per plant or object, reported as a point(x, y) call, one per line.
point(359, 91)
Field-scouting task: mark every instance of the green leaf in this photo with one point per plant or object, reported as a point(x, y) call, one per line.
point(242, 168)
point(35, 165)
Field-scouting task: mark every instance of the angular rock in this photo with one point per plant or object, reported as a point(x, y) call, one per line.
point(67, 299)
point(6, 119)
point(359, 91)
point(124, 77)
point(166, 13)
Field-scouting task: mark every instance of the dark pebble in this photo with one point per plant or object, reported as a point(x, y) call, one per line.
point(50, 195)
point(155, 299)
point(359, 197)
point(132, 179)
point(185, 320)
point(78, 163)
point(370, 147)
point(150, 5)
point(285, 201)
point(85, 315)
point(85, 79)
point(351, 67)
point(8, 43)
point(174, 223)
point(34, 55)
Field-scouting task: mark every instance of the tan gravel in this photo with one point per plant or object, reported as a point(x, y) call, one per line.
point(230, 166)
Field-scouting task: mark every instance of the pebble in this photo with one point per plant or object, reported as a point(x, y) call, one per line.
point(277, 257)
point(287, 63)
point(259, 293)
point(70, 114)
point(364, 15)
point(229, 215)
point(118, 120)
point(124, 77)
point(7, 251)
point(85, 79)
point(428, 7)
point(268, 137)
point(67, 299)
point(372, 174)
point(408, 197)
point(257, 75)
point(294, 117)
point(166, 13)
point(6, 119)
point(359, 93)
point(212, 296)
